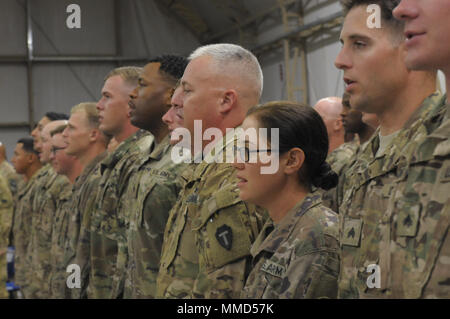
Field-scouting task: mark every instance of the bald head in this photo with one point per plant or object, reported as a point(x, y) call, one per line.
point(330, 109)
point(46, 141)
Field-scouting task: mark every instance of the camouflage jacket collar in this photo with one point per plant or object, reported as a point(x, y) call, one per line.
point(124, 147)
point(30, 183)
point(223, 148)
point(392, 157)
point(89, 169)
point(156, 151)
point(270, 242)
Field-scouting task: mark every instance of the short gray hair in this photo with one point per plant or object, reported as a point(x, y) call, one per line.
point(243, 61)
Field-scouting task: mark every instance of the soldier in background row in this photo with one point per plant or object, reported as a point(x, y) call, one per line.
point(70, 167)
point(155, 182)
point(6, 216)
point(88, 144)
point(115, 170)
point(14, 180)
point(44, 206)
point(26, 162)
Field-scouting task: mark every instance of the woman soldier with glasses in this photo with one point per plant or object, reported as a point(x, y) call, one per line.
point(296, 253)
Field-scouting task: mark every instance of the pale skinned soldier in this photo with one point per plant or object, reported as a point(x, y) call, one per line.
point(403, 100)
point(6, 215)
point(115, 171)
point(26, 162)
point(418, 229)
point(88, 144)
point(296, 255)
point(153, 186)
point(70, 167)
point(206, 250)
point(44, 207)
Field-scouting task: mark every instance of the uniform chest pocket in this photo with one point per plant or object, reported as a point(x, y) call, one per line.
point(221, 234)
point(144, 192)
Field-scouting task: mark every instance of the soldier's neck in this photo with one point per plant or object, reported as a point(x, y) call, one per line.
point(126, 133)
point(32, 169)
point(399, 109)
point(75, 171)
point(92, 152)
point(365, 134)
point(281, 203)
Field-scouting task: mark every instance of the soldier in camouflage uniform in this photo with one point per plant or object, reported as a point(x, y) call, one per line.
point(197, 262)
point(6, 211)
point(330, 110)
point(15, 181)
point(115, 171)
point(296, 255)
point(44, 207)
point(154, 184)
point(26, 162)
point(368, 185)
point(420, 242)
point(70, 167)
point(75, 213)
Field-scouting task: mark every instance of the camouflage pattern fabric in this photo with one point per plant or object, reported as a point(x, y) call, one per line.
point(15, 181)
point(297, 258)
point(6, 215)
point(364, 215)
point(77, 244)
point(107, 228)
point(340, 159)
point(45, 202)
point(419, 251)
point(22, 221)
point(151, 193)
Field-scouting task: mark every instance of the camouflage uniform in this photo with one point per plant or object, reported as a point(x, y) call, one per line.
point(107, 228)
point(419, 251)
point(14, 180)
point(151, 193)
point(21, 230)
point(45, 202)
point(57, 276)
point(340, 159)
point(297, 258)
point(77, 244)
point(206, 251)
point(6, 211)
point(364, 214)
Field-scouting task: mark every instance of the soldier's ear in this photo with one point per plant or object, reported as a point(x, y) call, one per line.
point(94, 135)
point(32, 157)
point(294, 160)
point(228, 101)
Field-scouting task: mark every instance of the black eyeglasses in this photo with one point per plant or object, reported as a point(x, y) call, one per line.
point(56, 149)
point(244, 152)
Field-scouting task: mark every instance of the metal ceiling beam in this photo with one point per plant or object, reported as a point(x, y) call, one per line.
point(15, 125)
point(247, 22)
point(302, 32)
point(187, 16)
